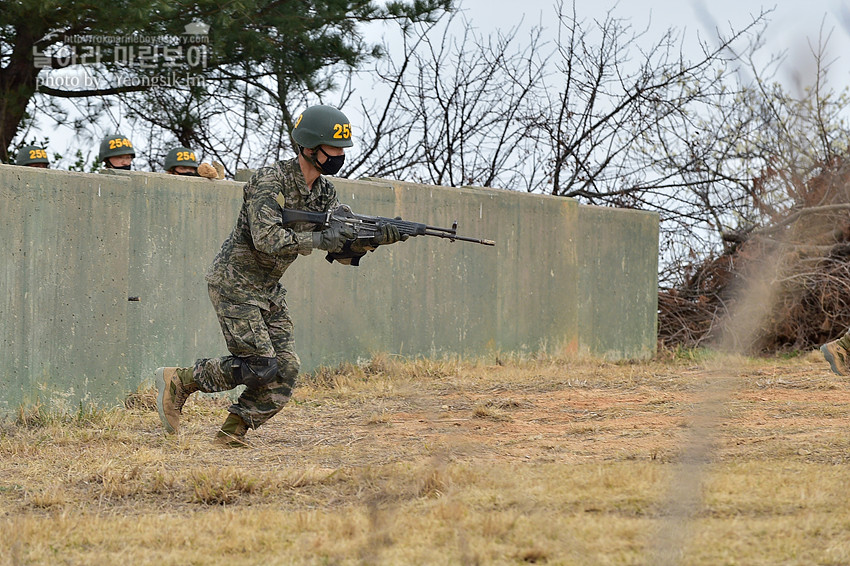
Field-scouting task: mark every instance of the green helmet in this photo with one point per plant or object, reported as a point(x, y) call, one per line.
point(180, 157)
point(30, 154)
point(114, 145)
point(319, 125)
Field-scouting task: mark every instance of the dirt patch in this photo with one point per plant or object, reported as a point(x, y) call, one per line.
point(601, 418)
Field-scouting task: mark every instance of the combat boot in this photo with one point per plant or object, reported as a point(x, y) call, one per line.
point(174, 385)
point(836, 354)
point(232, 432)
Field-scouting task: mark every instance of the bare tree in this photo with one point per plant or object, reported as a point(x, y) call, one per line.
point(780, 201)
point(586, 115)
point(454, 114)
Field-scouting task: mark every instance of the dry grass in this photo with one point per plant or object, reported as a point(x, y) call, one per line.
point(524, 461)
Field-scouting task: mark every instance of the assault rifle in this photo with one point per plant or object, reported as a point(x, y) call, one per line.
point(366, 227)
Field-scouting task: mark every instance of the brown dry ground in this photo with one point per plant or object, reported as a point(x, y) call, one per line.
point(687, 460)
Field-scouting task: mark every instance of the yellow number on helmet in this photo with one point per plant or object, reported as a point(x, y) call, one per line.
point(342, 131)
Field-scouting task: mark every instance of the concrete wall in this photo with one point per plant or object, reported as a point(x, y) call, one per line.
point(79, 249)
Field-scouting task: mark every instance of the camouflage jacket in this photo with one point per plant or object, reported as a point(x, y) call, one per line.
point(253, 258)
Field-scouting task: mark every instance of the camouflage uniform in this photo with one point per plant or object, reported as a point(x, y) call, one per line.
point(244, 286)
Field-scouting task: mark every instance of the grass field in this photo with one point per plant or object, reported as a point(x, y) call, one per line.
point(687, 460)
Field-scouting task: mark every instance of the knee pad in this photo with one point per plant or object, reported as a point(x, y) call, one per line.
point(255, 371)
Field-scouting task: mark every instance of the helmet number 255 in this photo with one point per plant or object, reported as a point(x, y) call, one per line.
point(342, 131)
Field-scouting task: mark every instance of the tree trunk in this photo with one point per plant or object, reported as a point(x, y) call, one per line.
point(17, 86)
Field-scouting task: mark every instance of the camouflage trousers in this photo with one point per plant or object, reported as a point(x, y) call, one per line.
point(251, 331)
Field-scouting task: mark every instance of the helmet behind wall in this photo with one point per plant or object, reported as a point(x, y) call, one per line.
point(180, 157)
point(31, 154)
point(114, 145)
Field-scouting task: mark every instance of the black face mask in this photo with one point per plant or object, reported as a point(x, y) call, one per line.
point(189, 174)
point(123, 167)
point(333, 163)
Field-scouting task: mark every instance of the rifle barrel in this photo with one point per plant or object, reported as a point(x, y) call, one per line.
point(452, 235)
point(475, 240)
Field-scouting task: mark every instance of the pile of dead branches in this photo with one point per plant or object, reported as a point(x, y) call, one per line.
point(793, 273)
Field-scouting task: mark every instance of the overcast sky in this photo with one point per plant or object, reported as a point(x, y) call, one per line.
point(792, 24)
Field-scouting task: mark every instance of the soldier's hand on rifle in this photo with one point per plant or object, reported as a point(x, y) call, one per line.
point(389, 234)
point(332, 238)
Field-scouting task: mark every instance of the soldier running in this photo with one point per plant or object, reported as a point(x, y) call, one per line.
point(244, 280)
